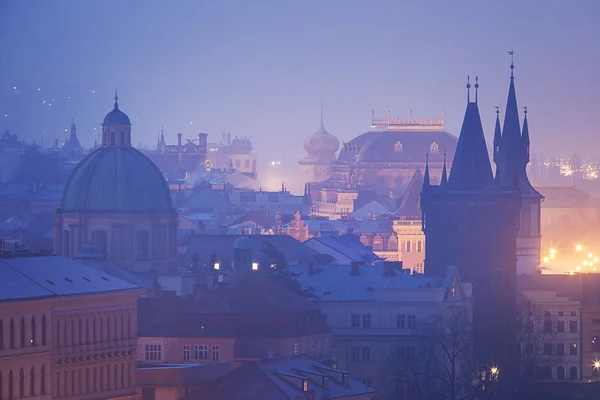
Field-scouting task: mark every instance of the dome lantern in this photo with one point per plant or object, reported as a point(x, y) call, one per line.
point(116, 128)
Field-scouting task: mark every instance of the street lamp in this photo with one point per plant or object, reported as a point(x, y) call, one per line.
point(579, 247)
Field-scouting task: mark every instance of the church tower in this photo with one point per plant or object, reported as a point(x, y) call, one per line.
point(471, 222)
point(511, 155)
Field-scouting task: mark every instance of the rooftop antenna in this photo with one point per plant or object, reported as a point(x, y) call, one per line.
point(476, 87)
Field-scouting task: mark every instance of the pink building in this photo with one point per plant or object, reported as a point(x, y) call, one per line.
point(67, 330)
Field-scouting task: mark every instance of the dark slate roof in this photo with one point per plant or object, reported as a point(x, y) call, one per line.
point(471, 168)
point(411, 202)
point(116, 180)
point(563, 284)
point(41, 277)
point(222, 246)
point(271, 379)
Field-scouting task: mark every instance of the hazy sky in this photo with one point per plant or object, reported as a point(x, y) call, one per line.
point(262, 68)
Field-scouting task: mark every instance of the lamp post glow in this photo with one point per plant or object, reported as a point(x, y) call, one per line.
point(217, 266)
point(579, 247)
point(255, 266)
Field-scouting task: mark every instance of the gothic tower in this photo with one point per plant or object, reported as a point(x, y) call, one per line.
point(471, 222)
point(511, 155)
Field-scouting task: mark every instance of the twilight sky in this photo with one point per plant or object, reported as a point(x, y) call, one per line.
point(262, 68)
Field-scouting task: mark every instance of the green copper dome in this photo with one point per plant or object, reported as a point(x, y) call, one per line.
point(114, 180)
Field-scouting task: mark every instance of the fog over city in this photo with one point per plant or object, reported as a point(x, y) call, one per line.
point(270, 200)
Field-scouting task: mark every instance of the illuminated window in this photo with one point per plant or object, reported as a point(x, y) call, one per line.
point(296, 348)
point(573, 349)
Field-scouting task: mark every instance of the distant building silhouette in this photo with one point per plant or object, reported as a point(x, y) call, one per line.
point(471, 222)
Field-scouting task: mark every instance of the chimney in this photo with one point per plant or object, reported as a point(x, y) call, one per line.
point(179, 139)
point(354, 271)
point(311, 268)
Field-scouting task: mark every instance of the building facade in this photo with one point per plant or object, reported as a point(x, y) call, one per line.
point(67, 330)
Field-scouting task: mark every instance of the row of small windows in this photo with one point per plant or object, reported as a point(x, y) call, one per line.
point(548, 326)
point(100, 240)
point(93, 380)
point(408, 321)
point(113, 136)
point(71, 332)
point(19, 391)
point(153, 352)
point(546, 373)
point(27, 335)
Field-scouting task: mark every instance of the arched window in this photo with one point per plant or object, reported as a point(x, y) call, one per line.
point(419, 246)
point(21, 383)
point(1, 338)
point(31, 382)
point(22, 332)
point(33, 332)
point(116, 377)
point(57, 333)
point(66, 328)
point(11, 334)
point(43, 380)
point(408, 246)
point(128, 325)
point(80, 331)
point(108, 328)
point(122, 138)
point(44, 329)
point(87, 380)
point(109, 385)
point(87, 330)
point(11, 390)
point(94, 330)
point(123, 372)
point(101, 336)
point(72, 322)
point(573, 373)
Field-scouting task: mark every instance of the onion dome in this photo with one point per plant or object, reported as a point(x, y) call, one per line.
point(322, 145)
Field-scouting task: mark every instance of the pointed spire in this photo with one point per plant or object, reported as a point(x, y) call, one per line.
point(468, 89)
point(426, 180)
point(116, 98)
point(511, 131)
point(512, 62)
point(525, 136)
point(444, 172)
point(497, 137)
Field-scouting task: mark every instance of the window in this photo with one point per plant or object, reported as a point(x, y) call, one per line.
point(560, 373)
point(560, 349)
point(21, 383)
point(32, 338)
point(596, 321)
point(153, 352)
point(112, 138)
point(400, 321)
point(296, 348)
point(547, 348)
point(11, 334)
point(528, 326)
point(573, 313)
point(237, 164)
point(246, 164)
point(122, 138)
point(560, 314)
point(100, 240)
point(573, 373)
point(573, 349)
point(355, 320)
point(43, 380)
point(22, 332)
point(547, 313)
point(141, 245)
point(31, 382)
point(412, 321)
point(356, 354)
point(366, 354)
point(560, 326)
point(573, 326)
point(405, 353)
point(366, 320)
point(419, 246)
point(408, 246)
point(186, 352)
point(547, 326)
point(596, 344)
point(529, 349)
point(215, 353)
point(200, 352)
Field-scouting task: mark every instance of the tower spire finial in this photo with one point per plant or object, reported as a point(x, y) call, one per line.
point(444, 171)
point(476, 87)
point(468, 89)
point(426, 180)
point(497, 111)
point(512, 62)
point(116, 97)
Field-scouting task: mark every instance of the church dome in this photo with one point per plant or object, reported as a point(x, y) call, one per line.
point(116, 117)
point(399, 146)
point(113, 180)
point(321, 145)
